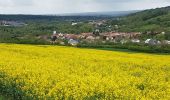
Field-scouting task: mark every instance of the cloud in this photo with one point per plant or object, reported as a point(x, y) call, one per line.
point(22, 2)
point(75, 6)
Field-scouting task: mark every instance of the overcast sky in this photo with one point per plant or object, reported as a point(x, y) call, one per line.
point(75, 6)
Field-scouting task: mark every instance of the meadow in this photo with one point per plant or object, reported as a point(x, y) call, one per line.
point(41, 72)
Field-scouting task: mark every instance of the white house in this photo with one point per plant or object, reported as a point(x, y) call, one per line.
point(135, 41)
point(151, 42)
point(147, 41)
point(163, 33)
point(73, 42)
point(54, 32)
point(74, 24)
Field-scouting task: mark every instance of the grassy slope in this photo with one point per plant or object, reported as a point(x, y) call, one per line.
point(40, 72)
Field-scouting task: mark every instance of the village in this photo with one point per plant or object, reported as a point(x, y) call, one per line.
point(96, 36)
point(12, 23)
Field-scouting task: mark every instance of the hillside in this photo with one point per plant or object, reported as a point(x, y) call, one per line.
point(100, 14)
point(156, 20)
point(68, 16)
point(29, 72)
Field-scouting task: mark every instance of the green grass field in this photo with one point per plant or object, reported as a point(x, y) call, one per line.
point(39, 72)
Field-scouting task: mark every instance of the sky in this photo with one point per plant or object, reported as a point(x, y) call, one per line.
point(76, 6)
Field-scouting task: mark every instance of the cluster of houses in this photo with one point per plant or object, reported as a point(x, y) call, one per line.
point(11, 23)
point(98, 22)
point(115, 37)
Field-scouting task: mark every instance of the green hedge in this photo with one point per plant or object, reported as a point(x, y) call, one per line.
point(134, 47)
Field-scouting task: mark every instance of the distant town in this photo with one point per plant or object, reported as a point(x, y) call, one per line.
point(12, 23)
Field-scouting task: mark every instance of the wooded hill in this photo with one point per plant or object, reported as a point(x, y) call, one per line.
point(154, 20)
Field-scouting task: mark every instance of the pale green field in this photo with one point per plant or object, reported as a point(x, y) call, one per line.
point(56, 72)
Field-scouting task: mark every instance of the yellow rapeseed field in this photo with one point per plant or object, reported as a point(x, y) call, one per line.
point(54, 72)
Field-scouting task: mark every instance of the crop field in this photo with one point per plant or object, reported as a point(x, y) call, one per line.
point(32, 72)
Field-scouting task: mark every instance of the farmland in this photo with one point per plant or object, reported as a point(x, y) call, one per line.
point(58, 72)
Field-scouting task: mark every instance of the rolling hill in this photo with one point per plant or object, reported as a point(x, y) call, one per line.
point(107, 13)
